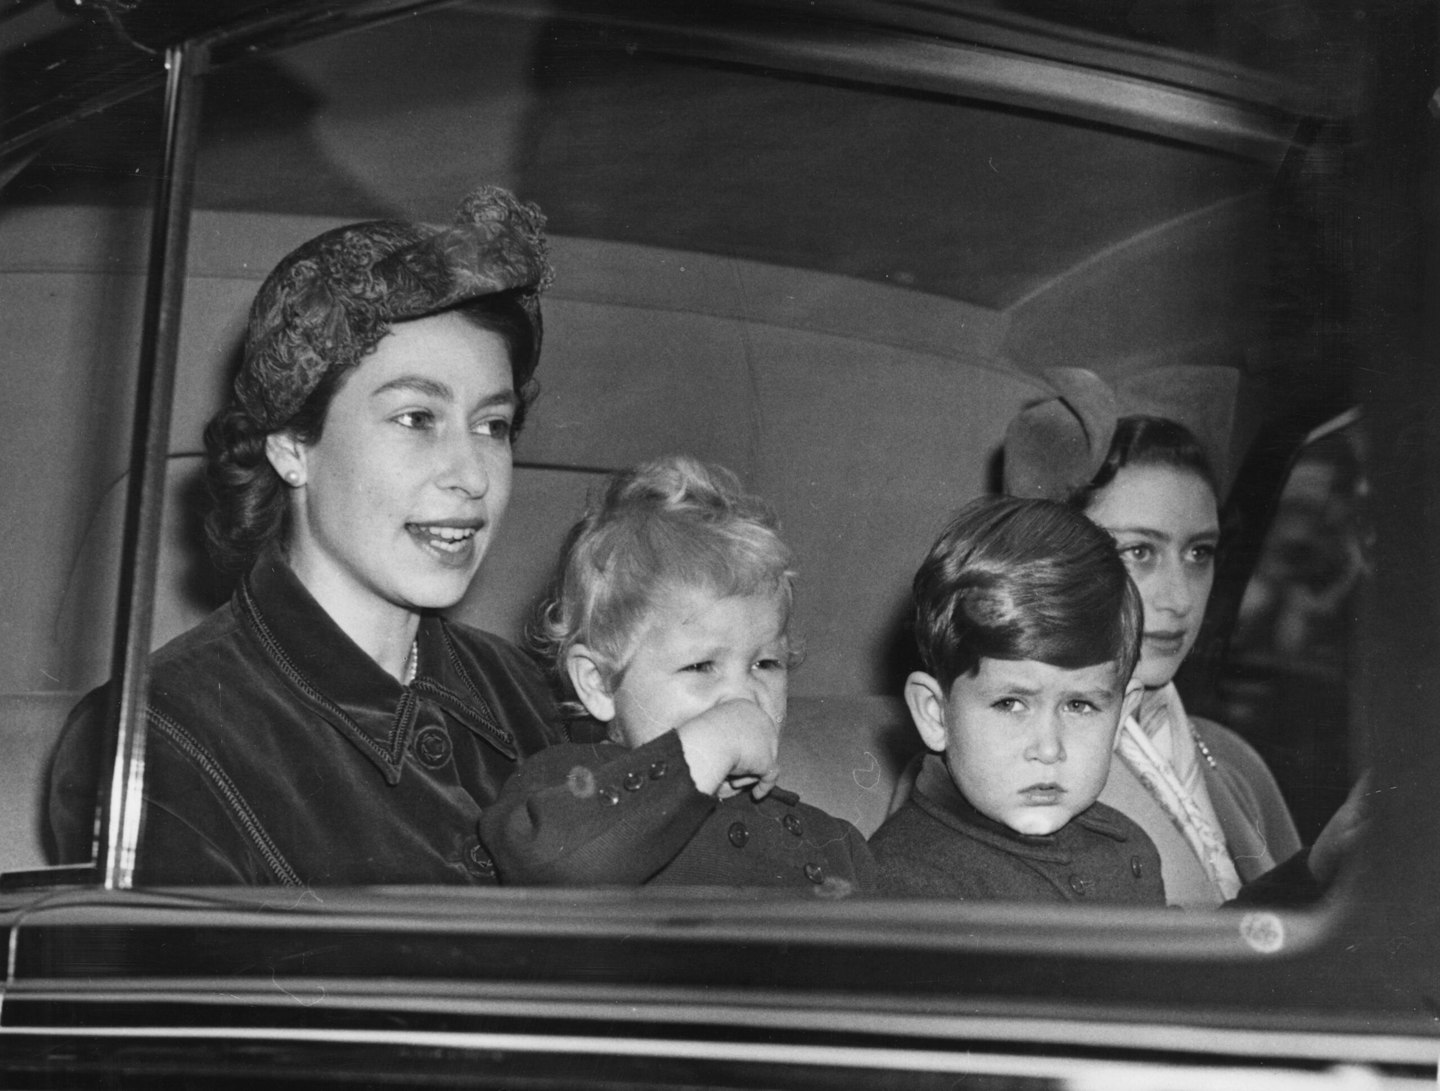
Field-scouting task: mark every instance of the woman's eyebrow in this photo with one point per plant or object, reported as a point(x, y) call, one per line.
point(418, 384)
point(1144, 532)
point(505, 397)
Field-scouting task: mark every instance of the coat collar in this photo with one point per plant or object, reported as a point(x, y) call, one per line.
point(936, 794)
point(343, 685)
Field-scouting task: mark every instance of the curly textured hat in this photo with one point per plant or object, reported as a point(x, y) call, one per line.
point(331, 300)
point(1059, 443)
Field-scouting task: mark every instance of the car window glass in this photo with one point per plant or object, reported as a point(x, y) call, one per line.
point(1289, 680)
point(75, 220)
point(842, 289)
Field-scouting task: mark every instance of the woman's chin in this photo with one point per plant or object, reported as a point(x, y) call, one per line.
point(1155, 671)
point(438, 592)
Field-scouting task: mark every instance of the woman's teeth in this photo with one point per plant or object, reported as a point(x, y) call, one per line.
point(450, 539)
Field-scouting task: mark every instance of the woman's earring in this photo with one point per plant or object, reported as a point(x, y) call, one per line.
point(292, 476)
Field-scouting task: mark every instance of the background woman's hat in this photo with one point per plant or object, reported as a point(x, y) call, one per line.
point(1057, 444)
point(330, 301)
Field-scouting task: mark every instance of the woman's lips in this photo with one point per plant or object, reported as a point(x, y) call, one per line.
point(451, 543)
point(1165, 643)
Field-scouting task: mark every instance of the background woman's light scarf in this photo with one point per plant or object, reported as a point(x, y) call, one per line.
point(1159, 747)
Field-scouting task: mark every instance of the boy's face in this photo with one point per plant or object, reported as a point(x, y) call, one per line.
point(697, 650)
point(1027, 743)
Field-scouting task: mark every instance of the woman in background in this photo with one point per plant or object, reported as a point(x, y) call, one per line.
point(1201, 792)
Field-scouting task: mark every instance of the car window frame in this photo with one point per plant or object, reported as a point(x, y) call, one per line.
point(1218, 943)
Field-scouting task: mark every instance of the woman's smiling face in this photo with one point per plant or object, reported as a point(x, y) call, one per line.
point(1166, 527)
point(398, 500)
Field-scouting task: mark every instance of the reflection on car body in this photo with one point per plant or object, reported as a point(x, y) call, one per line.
point(833, 248)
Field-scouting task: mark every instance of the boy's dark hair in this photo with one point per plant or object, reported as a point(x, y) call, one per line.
point(1024, 579)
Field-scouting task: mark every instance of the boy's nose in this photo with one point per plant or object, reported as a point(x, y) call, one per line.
point(746, 686)
point(1045, 744)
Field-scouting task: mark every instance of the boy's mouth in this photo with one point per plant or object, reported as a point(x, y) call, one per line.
point(1043, 795)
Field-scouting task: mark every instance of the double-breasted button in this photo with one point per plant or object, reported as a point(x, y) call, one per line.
point(633, 782)
point(432, 746)
point(478, 861)
point(738, 834)
point(1137, 869)
point(1079, 884)
point(658, 769)
point(792, 823)
point(609, 796)
point(815, 873)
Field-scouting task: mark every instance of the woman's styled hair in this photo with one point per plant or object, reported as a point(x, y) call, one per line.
point(327, 305)
point(662, 525)
point(1024, 579)
point(1149, 441)
point(249, 504)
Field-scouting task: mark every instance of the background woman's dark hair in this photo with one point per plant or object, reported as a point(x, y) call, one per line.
point(249, 505)
point(1149, 441)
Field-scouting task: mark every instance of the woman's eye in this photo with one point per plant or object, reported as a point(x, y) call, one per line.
point(421, 419)
point(494, 427)
point(1138, 553)
point(1202, 554)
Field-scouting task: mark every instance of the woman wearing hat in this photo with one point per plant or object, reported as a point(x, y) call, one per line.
point(1145, 462)
point(327, 725)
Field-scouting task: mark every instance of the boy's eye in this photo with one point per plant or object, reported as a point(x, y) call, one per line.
point(704, 666)
point(1008, 704)
point(771, 665)
point(1082, 706)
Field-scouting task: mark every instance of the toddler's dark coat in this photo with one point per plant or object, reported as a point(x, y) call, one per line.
point(598, 813)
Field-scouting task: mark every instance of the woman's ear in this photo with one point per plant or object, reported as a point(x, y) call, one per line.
point(925, 697)
point(588, 678)
point(287, 455)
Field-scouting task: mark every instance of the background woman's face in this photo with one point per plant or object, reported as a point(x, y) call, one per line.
point(402, 494)
point(1166, 527)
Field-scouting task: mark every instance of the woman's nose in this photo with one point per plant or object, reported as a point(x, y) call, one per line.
point(465, 469)
point(1171, 591)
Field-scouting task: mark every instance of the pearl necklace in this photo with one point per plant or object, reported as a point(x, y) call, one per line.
point(412, 662)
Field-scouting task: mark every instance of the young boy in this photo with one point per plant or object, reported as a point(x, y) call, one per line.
point(669, 626)
point(1029, 628)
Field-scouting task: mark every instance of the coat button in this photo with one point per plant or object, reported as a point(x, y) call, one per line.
point(815, 873)
point(658, 769)
point(478, 862)
point(432, 746)
point(633, 782)
point(608, 795)
point(1137, 869)
point(738, 834)
point(792, 823)
point(1079, 885)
